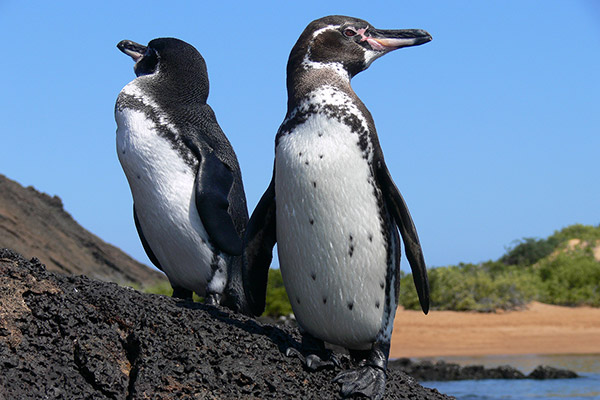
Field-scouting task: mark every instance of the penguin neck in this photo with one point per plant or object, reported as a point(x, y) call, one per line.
point(307, 76)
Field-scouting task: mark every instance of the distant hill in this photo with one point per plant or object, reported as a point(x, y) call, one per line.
point(36, 225)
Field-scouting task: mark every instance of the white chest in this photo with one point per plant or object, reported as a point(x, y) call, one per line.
point(332, 249)
point(162, 186)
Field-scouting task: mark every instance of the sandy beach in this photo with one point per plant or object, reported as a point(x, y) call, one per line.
point(540, 329)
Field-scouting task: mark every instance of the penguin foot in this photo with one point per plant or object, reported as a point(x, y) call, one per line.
point(235, 299)
point(183, 294)
point(312, 361)
point(368, 381)
point(213, 299)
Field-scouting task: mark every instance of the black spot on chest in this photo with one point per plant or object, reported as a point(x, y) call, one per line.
point(342, 113)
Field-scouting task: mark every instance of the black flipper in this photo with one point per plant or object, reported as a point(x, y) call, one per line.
point(399, 210)
point(259, 241)
point(213, 184)
point(147, 248)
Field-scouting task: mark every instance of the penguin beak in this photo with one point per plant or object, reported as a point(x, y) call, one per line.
point(134, 50)
point(388, 40)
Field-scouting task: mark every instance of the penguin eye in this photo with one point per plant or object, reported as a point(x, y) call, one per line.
point(349, 32)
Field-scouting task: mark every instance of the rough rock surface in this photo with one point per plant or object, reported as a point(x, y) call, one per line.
point(443, 371)
point(72, 337)
point(546, 372)
point(36, 225)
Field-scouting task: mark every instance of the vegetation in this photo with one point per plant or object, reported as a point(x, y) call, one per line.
point(555, 270)
point(468, 287)
point(165, 288)
point(277, 300)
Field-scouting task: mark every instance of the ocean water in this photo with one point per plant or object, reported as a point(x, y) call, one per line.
point(587, 387)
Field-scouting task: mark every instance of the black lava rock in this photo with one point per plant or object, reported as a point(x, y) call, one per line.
point(545, 372)
point(442, 371)
point(71, 337)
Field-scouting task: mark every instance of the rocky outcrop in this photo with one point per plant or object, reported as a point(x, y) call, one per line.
point(72, 337)
point(443, 371)
point(36, 225)
point(546, 372)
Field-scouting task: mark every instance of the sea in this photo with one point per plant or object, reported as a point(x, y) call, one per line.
point(586, 387)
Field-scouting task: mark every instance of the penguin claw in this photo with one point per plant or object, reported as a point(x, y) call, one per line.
point(312, 361)
point(293, 352)
point(368, 381)
point(213, 299)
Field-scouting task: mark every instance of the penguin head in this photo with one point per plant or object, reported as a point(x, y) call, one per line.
point(171, 63)
point(348, 42)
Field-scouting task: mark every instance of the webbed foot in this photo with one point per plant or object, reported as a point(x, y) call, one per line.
point(213, 299)
point(312, 361)
point(368, 381)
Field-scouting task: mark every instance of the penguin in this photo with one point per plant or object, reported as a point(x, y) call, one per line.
point(333, 208)
point(189, 202)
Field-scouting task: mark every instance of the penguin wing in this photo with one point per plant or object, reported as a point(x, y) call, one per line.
point(212, 186)
point(259, 241)
point(147, 248)
point(414, 253)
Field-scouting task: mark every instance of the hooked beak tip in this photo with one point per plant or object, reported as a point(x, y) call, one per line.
point(134, 50)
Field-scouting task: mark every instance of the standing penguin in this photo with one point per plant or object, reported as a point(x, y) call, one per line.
point(189, 203)
point(333, 207)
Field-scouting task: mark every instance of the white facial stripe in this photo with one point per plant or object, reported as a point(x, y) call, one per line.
point(327, 28)
point(308, 63)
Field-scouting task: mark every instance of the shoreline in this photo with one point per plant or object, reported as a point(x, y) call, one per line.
point(541, 329)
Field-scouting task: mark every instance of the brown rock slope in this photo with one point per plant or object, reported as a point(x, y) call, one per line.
point(71, 337)
point(36, 225)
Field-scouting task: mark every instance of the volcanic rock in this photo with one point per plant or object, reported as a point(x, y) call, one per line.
point(72, 337)
point(546, 372)
point(443, 371)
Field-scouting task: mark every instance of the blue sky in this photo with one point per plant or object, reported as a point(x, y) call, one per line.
point(491, 131)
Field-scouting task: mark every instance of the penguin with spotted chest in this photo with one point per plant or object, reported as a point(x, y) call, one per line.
point(189, 203)
point(333, 208)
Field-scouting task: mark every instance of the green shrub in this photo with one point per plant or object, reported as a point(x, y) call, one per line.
point(571, 278)
point(468, 287)
point(277, 302)
point(586, 233)
point(162, 287)
point(528, 251)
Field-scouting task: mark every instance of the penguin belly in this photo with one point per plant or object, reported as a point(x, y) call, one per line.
point(162, 186)
point(332, 241)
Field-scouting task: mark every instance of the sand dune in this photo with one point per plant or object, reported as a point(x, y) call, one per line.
point(540, 329)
